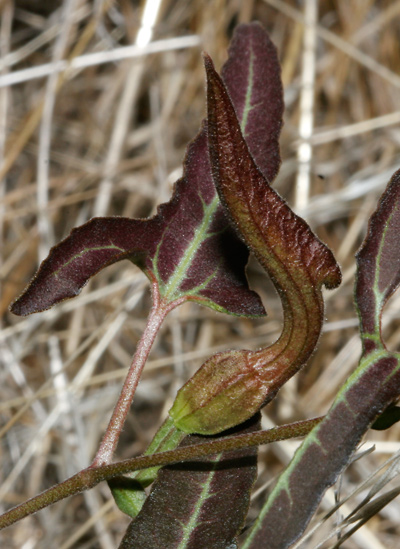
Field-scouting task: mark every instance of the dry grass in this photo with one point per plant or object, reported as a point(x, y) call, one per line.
point(109, 139)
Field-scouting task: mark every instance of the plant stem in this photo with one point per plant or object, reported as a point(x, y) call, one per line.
point(110, 439)
point(90, 477)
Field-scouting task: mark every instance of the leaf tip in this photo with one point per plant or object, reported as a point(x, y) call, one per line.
point(212, 75)
point(31, 301)
point(20, 306)
point(208, 62)
point(15, 309)
point(333, 277)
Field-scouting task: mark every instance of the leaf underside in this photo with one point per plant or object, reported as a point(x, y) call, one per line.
point(389, 417)
point(202, 503)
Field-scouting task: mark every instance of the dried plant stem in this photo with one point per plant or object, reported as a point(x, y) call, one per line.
point(306, 122)
point(17, 141)
point(339, 43)
point(46, 233)
point(93, 475)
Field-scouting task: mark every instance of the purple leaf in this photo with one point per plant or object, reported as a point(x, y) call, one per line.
point(188, 250)
point(252, 75)
point(378, 261)
point(196, 504)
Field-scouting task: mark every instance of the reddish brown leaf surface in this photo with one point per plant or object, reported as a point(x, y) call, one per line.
point(267, 224)
point(202, 503)
point(230, 387)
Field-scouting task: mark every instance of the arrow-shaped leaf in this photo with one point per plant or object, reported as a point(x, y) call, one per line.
point(188, 250)
point(199, 503)
point(252, 75)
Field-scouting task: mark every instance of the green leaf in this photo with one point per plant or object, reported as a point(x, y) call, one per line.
point(128, 491)
point(129, 495)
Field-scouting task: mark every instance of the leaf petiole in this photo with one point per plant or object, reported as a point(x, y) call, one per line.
point(159, 311)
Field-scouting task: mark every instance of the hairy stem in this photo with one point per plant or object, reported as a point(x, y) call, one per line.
point(90, 477)
point(110, 439)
